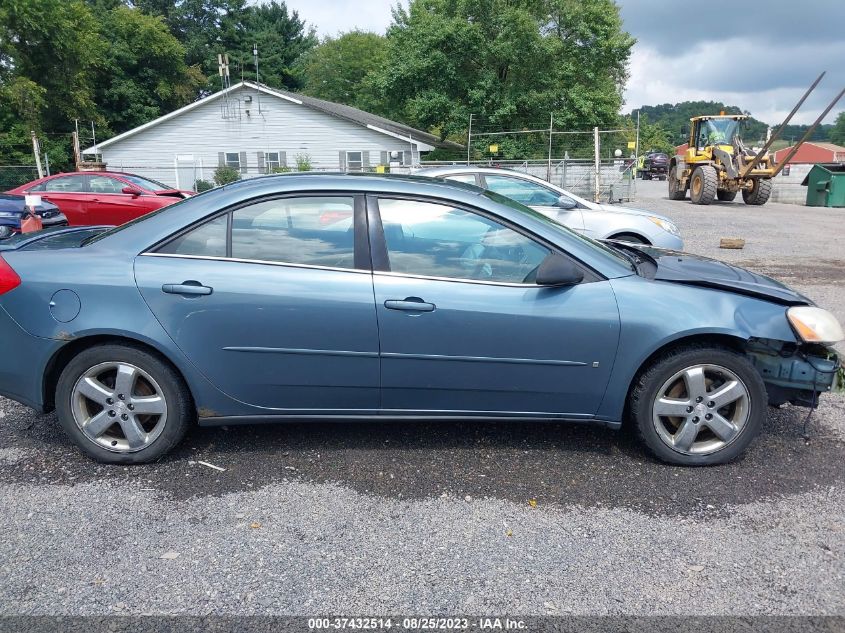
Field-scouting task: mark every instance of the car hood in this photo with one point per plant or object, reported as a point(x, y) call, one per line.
point(675, 266)
point(615, 208)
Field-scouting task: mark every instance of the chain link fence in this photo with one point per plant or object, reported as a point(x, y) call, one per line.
point(12, 176)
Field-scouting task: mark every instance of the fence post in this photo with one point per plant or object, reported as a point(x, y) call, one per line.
point(36, 150)
point(551, 131)
point(596, 142)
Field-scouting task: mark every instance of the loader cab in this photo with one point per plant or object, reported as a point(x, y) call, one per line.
point(708, 131)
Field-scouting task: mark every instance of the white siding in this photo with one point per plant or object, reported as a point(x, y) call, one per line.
point(282, 126)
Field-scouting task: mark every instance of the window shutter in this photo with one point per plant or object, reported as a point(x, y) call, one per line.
point(342, 161)
point(385, 159)
point(221, 159)
point(262, 166)
point(408, 158)
point(243, 162)
point(283, 159)
point(365, 160)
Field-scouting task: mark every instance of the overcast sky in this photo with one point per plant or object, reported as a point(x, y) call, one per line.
point(760, 56)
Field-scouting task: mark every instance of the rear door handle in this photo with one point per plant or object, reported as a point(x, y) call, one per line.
point(187, 288)
point(409, 304)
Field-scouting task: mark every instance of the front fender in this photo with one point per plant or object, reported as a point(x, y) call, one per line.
point(656, 314)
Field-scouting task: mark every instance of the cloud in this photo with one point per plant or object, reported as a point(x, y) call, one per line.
point(331, 17)
point(760, 59)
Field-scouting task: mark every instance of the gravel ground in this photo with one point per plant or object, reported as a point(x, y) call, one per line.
point(438, 518)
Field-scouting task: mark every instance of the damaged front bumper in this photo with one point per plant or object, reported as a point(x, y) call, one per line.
point(794, 373)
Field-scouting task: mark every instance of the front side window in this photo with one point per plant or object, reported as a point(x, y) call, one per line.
point(524, 191)
point(104, 184)
point(233, 159)
point(436, 240)
point(313, 231)
point(354, 161)
point(70, 184)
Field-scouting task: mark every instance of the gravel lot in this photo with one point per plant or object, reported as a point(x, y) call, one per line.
point(438, 518)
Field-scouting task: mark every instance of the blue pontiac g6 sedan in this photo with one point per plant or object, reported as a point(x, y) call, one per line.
point(355, 296)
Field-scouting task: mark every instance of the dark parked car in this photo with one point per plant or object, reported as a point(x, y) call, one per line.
point(13, 210)
point(97, 198)
point(416, 298)
point(655, 165)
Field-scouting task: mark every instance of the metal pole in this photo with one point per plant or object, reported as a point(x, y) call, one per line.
point(37, 152)
point(469, 138)
point(551, 131)
point(597, 193)
point(636, 156)
point(763, 150)
point(47, 163)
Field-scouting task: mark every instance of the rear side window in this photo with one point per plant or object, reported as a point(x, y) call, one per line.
point(71, 184)
point(313, 231)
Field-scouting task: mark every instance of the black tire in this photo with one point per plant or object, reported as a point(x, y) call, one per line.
point(180, 414)
point(646, 176)
point(676, 192)
point(703, 185)
point(759, 193)
point(630, 237)
point(726, 196)
point(644, 393)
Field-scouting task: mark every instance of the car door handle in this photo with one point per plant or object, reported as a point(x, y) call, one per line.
point(409, 304)
point(187, 288)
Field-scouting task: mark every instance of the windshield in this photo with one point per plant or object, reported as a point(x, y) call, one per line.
point(150, 185)
point(713, 131)
point(598, 247)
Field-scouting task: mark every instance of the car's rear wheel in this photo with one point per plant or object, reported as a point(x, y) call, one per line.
point(122, 405)
point(699, 406)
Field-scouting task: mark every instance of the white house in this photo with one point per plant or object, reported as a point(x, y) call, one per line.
point(256, 129)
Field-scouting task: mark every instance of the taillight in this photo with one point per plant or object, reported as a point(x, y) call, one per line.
point(9, 279)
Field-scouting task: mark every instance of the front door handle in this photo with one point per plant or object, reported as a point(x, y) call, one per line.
point(187, 288)
point(409, 304)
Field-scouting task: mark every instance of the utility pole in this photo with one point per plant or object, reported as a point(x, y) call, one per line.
point(469, 139)
point(37, 151)
point(551, 131)
point(597, 144)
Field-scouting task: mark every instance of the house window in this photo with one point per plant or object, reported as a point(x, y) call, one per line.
point(233, 159)
point(354, 161)
point(274, 161)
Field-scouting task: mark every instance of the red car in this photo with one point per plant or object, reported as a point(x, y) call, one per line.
point(102, 197)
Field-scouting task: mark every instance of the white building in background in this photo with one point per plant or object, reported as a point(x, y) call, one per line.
point(256, 129)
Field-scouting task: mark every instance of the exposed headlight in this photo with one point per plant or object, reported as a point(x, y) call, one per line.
point(666, 225)
point(814, 325)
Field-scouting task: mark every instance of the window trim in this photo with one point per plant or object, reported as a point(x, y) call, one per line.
point(381, 259)
point(226, 160)
point(361, 160)
point(360, 239)
point(278, 162)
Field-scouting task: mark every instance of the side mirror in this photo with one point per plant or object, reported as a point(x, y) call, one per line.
point(557, 270)
point(565, 202)
point(132, 191)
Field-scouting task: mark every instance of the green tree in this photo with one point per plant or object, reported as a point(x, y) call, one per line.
point(510, 64)
point(343, 69)
point(143, 73)
point(837, 132)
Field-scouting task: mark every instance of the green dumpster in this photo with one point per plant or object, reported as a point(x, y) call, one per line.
point(826, 185)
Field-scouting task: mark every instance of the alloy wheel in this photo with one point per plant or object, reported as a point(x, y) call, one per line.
point(119, 407)
point(701, 409)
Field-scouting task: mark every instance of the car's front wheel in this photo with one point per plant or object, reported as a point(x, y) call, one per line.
point(122, 405)
point(699, 406)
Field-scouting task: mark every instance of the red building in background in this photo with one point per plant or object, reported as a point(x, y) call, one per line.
point(813, 152)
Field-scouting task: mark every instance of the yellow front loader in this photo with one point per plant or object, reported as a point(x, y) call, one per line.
point(717, 165)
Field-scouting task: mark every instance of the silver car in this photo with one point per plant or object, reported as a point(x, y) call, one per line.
point(599, 221)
